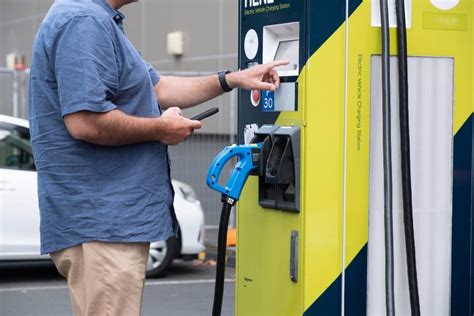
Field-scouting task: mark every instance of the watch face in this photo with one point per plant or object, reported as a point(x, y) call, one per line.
point(251, 44)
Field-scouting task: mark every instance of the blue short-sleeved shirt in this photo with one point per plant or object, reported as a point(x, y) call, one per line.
point(82, 61)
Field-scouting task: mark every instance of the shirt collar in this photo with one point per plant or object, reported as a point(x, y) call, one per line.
point(117, 16)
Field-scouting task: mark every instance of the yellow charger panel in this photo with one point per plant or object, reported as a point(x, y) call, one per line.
point(322, 255)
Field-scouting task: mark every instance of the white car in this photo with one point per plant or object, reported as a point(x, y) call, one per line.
point(19, 213)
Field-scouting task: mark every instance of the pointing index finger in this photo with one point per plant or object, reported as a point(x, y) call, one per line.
point(277, 63)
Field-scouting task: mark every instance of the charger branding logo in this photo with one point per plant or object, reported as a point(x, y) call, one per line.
point(256, 3)
point(252, 7)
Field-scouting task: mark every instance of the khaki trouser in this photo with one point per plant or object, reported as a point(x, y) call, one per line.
point(104, 278)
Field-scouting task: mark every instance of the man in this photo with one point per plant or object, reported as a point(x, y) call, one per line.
point(100, 144)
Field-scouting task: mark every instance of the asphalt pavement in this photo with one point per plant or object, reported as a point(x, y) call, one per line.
point(37, 289)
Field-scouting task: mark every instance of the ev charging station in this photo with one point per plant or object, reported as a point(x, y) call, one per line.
point(310, 221)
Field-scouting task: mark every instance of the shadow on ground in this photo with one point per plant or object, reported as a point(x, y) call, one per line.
point(22, 272)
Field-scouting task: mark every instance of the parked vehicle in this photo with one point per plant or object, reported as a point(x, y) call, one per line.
point(19, 213)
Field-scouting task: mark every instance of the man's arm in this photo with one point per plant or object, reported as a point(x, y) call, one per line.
point(116, 128)
point(185, 92)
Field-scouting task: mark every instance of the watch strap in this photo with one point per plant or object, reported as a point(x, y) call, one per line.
point(224, 85)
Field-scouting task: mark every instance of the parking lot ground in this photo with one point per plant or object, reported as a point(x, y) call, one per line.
point(187, 289)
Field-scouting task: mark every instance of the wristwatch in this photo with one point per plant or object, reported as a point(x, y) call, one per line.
point(225, 87)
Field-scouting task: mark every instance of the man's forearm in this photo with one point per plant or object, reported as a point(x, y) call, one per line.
point(185, 92)
point(113, 128)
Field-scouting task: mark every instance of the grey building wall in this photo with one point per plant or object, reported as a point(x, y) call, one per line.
point(19, 20)
point(210, 28)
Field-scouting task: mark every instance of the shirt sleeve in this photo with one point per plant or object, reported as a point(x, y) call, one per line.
point(154, 76)
point(86, 67)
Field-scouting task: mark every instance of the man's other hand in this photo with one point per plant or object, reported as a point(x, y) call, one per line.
point(259, 77)
point(177, 128)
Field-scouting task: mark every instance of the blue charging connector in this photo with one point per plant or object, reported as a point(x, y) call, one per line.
point(248, 158)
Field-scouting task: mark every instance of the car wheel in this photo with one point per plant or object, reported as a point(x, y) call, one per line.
point(161, 256)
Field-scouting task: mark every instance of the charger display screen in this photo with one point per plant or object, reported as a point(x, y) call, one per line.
point(288, 50)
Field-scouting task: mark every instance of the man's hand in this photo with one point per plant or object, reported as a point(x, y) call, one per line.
point(260, 77)
point(177, 128)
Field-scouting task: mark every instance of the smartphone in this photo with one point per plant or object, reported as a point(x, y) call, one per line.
point(205, 114)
